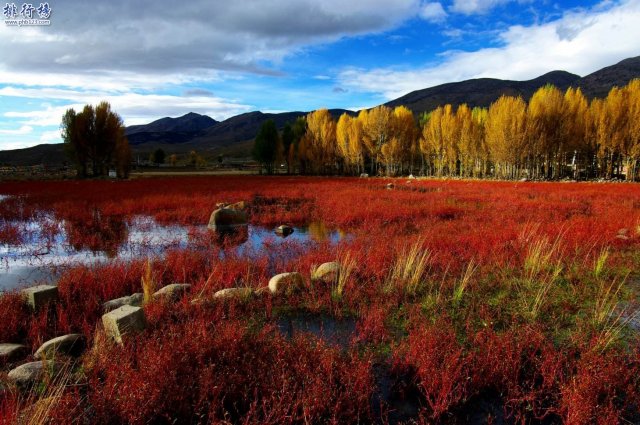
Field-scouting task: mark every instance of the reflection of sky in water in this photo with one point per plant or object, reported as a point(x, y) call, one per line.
point(40, 259)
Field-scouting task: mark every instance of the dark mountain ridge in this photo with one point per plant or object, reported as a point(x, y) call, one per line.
point(480, 92)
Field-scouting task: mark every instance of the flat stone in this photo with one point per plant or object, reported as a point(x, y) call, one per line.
point(28, 374)
point(327, 272)
point(134, 300)
point(124, 321)
point(71, 345)
point(39, 296)
point(230, 293)
point(285, 283)
point(10, 352)
point(174, 292)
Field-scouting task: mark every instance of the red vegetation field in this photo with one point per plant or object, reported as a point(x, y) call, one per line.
point(472, 302)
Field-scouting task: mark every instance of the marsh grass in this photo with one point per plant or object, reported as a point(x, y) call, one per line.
point(599, 264)
point(148, 284)
point(541, 270)
point(540, 256)
point(347, 266)
point(608, 317)
point(462, 284)
point(408, 272)
point(38, 405)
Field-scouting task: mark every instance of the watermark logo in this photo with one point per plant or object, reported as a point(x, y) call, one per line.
point(27, 14)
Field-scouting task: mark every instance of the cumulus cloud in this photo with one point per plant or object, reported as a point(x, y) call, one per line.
point(147, 43)
point(580, 42)
point(433, 12)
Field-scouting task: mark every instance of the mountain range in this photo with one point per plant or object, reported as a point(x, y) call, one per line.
point(233, 137)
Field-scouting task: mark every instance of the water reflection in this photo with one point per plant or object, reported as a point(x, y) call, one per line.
point(230, 236)
point(329, 329)
point(49, 245)
point(98, 233)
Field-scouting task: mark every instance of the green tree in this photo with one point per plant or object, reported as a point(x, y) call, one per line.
point(265, 148)
point(95, 138)
point(158, 156)
point(288, 138)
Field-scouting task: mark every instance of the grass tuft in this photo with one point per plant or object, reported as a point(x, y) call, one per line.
point(409, 269)
point(148, 284)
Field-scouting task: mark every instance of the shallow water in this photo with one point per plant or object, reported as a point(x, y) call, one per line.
point(337, 332)
point(43, 253)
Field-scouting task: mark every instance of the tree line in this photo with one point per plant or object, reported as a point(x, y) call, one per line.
point(554, 135)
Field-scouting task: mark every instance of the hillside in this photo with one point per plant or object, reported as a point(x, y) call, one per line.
point(244, 127)
point(480, 92)
point(170, 130)
point(600, 82)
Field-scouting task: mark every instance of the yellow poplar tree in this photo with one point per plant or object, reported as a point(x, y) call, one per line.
point(376, 131)
point(349, 142)
point(505, 132)
point(321, 132)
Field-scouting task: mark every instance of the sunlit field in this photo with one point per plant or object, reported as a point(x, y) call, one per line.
point(455, 301)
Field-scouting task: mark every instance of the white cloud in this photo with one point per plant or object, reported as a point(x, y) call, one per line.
point(133, 107)
point(52, 136)
point(597, 38)
point(25, 129)
point(433, 12)
point(118, 45)
point(469, 7)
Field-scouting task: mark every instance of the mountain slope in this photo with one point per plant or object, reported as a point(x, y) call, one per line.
point(600, 82)
point(169, 130)
point(480, 92)
point(244, 127)
point(187, 123)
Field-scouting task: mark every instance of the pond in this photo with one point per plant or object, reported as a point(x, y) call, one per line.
point(47, 246)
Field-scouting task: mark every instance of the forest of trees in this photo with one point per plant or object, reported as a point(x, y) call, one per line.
point(555, 135)
point(94, 140)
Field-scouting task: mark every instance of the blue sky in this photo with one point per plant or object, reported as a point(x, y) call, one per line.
point(160, 58)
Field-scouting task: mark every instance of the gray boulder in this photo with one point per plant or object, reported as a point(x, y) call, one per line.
point(71, 345)
point(286, 283)
point(224, 218)
point(38, 296)
point(327, 272)
point(284, 230)
point(28, 374)
point(124, 321)
point(230, 293)
point(134, 300)
point(11, 352)
point(172, 292)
